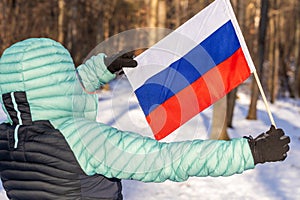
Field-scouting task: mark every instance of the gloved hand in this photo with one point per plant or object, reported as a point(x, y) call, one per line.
point(116, 62)
point(270, 146)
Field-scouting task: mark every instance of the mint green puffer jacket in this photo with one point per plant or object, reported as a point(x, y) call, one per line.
point(44, 69)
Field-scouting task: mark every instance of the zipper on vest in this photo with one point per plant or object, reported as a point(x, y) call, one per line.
point(19, 119)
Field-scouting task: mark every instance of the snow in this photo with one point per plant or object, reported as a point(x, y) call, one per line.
point(277, 181)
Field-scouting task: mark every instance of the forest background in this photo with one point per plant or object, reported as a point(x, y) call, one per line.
point(271, 29)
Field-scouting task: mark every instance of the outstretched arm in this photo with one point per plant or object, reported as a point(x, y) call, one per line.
point(125, 155)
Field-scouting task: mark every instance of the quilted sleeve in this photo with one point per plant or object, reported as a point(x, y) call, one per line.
point(125, 155)
point(93, 73)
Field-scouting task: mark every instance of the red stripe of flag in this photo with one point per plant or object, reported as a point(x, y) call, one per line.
point(205, 91)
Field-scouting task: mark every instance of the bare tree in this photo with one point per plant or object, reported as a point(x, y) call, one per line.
point(240, 7)
point(261, 57)
point(275, 63)
point(61, 19)
point(297, 47)
point(219, 121)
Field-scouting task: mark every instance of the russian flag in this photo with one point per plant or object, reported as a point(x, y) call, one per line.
point(191, 68)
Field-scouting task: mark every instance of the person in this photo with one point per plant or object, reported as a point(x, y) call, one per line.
point(51, 146)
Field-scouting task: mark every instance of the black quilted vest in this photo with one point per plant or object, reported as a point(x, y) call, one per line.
point(37, 163)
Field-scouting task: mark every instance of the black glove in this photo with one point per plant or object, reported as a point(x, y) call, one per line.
point(269, 147)
point(116, 62)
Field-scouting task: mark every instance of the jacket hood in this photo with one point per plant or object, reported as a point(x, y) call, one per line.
point(39, 74)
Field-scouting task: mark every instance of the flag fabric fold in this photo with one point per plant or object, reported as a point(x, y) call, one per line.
point(191, 68)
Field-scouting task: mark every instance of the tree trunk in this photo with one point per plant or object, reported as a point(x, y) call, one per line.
point(219, 121)
point(297, 49)
point(235, 4)
point(276, 56)
point(231, 98)
point(162, 13)
point(252, 115)
point(2, 26)
point(61, 19)
point(162, 16)
point(152, 21)
point(261, 55)
point(286, 45)
point(177, 10)
point(271, 50)
point(108, 14)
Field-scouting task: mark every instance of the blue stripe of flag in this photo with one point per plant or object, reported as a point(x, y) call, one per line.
point(215, 49)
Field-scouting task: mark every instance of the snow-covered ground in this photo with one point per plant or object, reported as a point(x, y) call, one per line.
point(276, 181)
